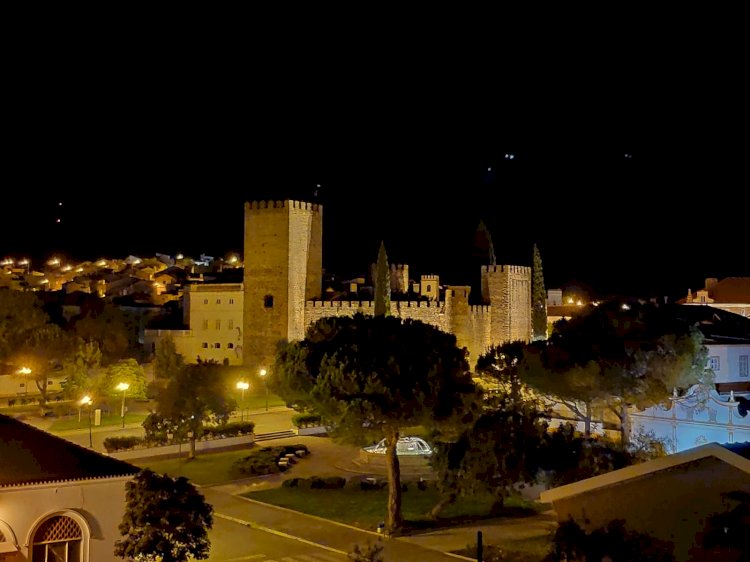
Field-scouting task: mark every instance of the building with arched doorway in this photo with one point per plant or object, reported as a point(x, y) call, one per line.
point(58, 501)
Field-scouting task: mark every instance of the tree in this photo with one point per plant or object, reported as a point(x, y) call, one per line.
point(725, 534)
point(167, 362)
point(618, 356)
point(21, 315)
point(538, 298)
point(370, 377)
point(196, 394)
point(166, 519)
point(367, 553)
point(45, 351)
point(109, 327)
point(500, 451)
point(80, 368)
point(483, 248)
point(382, 284)
point(127, 371)
point(499, 367)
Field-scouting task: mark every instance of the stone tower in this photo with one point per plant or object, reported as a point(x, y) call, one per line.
point(507, 288)
point(283, 269)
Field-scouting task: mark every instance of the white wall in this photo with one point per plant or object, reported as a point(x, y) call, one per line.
point(100, 503)
point(729, 361)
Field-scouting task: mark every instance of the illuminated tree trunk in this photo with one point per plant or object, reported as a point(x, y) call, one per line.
point(393, 517)
point(625, 424)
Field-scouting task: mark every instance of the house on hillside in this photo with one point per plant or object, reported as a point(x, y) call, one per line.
point(669, 498)
point(58, 501)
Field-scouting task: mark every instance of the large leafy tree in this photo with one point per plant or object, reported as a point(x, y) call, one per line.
point(196, 394)
point(382, 284)
point(371, 377)
point(110, 329)
point(127, 371)
point(538, 298)
point(616, 357)
point(43, 353)
point(495, 454)
point(21, 315)
point(166, 519)
point(167, 362)
point(80, 369)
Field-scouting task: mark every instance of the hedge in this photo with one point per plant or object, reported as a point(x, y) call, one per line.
point(306, 420)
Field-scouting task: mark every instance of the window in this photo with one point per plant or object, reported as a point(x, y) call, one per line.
point(204, 345)
point(217, 346)
point(230, 324)
point(49, 383)
point(230, 345)
point(205, 301)
point(231, 301)
point(58, 539)
point(743, 366)
point(205, 324)
point(713, 363)
point(268, 301)
point(218, 324)
point(218, 301)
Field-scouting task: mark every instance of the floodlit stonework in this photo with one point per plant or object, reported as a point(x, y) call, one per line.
point(283, 275)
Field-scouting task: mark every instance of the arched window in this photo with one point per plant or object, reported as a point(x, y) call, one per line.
point(8, 544)
point(58, 539)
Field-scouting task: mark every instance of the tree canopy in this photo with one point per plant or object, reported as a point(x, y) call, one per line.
point(370, 377)
point(197, 393)
point(619, 356)
point(165, 519)
point(538, 298)
point(382, 304)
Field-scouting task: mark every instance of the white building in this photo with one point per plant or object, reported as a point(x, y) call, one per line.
point(212, 313)
point(719, 413)
point(58, 501)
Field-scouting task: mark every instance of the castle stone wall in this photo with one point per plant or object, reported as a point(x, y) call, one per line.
point(508, 289)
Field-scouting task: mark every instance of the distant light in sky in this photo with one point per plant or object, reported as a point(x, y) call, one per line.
point(60, 204)
point(625, 306)
point(58, 220)
point(509, 156)
point(628, 155)
point(489, 169)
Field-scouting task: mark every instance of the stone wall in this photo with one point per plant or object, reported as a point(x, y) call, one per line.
point(508, 289)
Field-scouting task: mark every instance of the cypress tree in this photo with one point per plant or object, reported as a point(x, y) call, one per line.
point(382, 284)
point(538, 298)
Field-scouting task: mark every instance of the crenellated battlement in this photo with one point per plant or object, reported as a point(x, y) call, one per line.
point(430, 277)
point(520, 269)
point(339, 304)
point(292, 204)
point(480, 310)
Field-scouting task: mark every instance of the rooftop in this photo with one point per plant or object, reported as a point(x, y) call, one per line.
point(30, 455)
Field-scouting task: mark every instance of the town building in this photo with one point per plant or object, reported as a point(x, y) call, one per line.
point(731, 294)
point(58, 501)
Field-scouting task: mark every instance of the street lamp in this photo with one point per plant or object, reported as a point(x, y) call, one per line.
point(86, 401)
point(263, 374)
point(123, 386)
point(243, 386)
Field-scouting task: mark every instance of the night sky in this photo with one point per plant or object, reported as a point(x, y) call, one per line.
point(631, 178)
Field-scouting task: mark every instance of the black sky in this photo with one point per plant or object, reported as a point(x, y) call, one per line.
point(155, 150)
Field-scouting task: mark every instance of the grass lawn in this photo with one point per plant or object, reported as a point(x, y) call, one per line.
point(206, 468)
point(366, 508)
point(107, 419)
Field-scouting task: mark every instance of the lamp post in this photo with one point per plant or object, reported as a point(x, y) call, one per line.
point(86, 401)
point(123, 386)
point(263, 374)
point(243, 386)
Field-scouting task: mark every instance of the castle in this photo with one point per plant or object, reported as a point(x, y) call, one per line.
point(283, 283)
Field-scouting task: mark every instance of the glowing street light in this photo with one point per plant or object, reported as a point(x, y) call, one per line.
point(86, 401)
point(123, 387)
point(243, 386)
point(263, 374)
point(24, 371)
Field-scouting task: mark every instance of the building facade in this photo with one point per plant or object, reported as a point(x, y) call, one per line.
point(283, 275)
point(214, 316)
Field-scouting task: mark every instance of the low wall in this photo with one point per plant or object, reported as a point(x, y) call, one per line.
point(376, 459)
point(180, 448)
point(313, 430)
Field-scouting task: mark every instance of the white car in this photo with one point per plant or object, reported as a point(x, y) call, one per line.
point(405, 446)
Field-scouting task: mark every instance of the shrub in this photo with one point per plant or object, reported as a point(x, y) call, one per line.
point(112, 444)
point(306, 420)
point(11, 402)
point(257, 463)
point(334, 482)
point(291, 483)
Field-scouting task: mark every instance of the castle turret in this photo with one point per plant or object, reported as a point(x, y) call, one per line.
point(507, 288)
point(283, 269)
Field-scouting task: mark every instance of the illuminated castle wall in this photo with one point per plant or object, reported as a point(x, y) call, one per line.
point(283, 276)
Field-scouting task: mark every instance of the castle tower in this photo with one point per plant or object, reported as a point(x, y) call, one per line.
point(507, 288)
point(283, 269)
point(457, 315)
